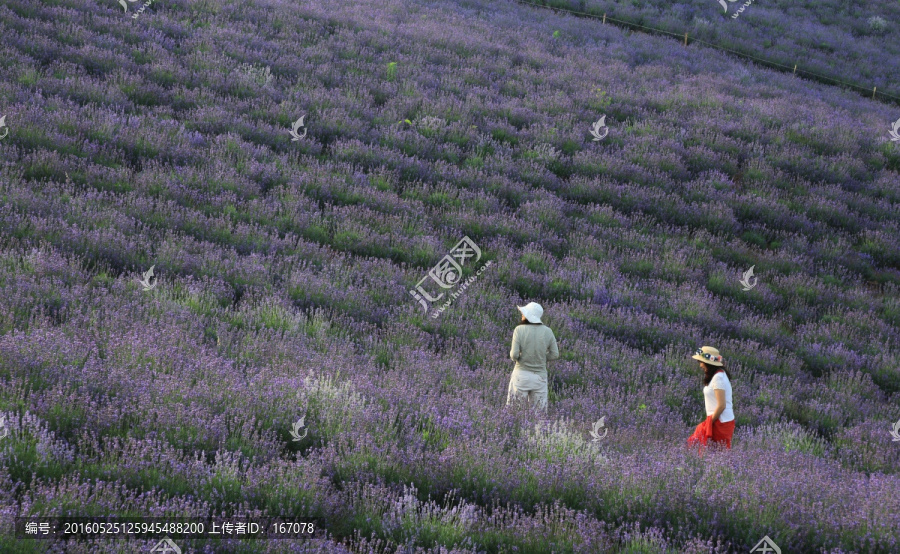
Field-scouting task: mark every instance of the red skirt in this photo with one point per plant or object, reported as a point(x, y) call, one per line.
point(715, 431)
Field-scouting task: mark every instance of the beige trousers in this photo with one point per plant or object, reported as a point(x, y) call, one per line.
point(527, 386)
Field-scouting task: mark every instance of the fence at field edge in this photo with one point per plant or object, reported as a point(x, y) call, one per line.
point(762, 61)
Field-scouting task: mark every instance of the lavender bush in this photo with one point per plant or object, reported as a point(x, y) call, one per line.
point(284, 268)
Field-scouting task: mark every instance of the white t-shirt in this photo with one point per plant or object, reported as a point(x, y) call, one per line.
point(719, 381)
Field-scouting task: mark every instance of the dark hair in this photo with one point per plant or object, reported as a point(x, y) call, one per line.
point(524, 321)
point(710, 370)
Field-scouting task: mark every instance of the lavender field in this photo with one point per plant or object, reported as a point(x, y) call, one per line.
point(845, 41)
point(165, 139)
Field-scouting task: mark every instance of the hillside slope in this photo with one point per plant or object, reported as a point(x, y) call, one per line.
point(847, 41)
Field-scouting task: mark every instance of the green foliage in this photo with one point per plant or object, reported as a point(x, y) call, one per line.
point(503, 135)
point(28, 78)
point(534, 262)
point(641, 268)
point(600, 100)
point(27, 458)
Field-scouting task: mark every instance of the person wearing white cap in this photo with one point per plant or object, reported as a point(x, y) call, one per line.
point(533, 343)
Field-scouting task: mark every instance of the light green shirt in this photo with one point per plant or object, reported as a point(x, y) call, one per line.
point(532, 346)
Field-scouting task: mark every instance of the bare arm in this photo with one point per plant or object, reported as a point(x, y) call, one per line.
point(720, 398)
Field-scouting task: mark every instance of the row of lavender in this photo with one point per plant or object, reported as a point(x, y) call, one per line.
point(635, 245)
point(844, 42)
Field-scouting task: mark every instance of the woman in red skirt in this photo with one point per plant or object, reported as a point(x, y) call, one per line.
point(719, 423)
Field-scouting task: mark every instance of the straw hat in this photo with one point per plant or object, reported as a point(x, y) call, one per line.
point(708, 355)
point(532, 312)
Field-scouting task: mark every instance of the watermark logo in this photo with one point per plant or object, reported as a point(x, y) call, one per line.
point(4, 430)
point(295, 430)
point(766, 545)
point(724, 5)
point(4, 127)
point(597, 426)
point(448, 272)
point(139, 12)
point(148, 276)
point(894, 132)
point(740, 11)
point(895, 431)
point(166, 546)
point(462, 289)
point(748, 275)
point(293, 132)
point(599, 125)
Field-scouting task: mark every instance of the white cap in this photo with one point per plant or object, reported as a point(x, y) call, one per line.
point(532, 312)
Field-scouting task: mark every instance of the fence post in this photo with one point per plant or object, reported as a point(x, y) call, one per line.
point(685, 38)
point(873, 91)
point(795, 69)
point(604, 19)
